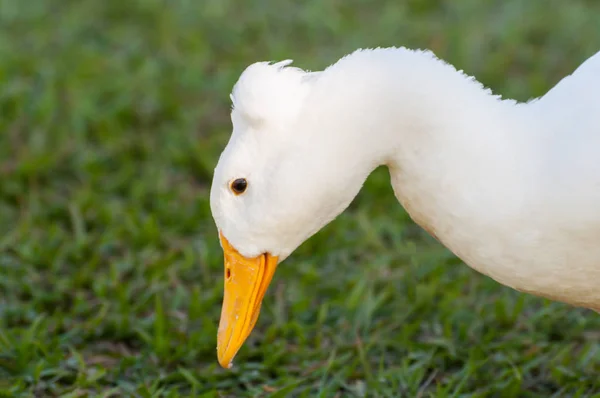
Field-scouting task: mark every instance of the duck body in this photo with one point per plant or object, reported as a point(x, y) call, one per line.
point(513, 189)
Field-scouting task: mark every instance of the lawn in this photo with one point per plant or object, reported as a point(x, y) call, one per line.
point(113, 115)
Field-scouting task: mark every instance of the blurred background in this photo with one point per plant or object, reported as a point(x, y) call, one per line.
point(113, 115)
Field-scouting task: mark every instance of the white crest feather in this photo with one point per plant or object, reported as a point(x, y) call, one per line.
point(270, 93)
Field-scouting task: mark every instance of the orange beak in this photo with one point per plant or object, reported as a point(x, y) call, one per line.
point(246, 281)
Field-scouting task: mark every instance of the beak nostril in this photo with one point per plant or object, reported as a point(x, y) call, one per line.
point(227, 273)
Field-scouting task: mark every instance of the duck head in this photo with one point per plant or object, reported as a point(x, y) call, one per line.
point(278, 181)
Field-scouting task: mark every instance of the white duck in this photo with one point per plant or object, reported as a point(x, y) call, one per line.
point(513, 189)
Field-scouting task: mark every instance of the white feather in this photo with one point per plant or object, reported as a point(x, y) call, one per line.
point(511, 188)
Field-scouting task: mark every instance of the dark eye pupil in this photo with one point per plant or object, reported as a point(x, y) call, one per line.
point(239, 185)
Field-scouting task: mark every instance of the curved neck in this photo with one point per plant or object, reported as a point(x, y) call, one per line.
point(448, 142)
point(414, 113)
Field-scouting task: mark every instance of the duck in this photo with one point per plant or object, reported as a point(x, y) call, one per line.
point(511, 188)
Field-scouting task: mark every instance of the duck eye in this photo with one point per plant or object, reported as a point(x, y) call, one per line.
point(239, 185)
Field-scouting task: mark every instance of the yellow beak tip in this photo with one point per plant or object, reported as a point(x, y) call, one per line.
point(226, 364)
point(225, 359)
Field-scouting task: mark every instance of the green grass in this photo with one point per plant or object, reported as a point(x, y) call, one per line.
point(113, 114)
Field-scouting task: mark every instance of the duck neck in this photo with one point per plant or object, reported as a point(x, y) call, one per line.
point(430, 124)
point(442, 136)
